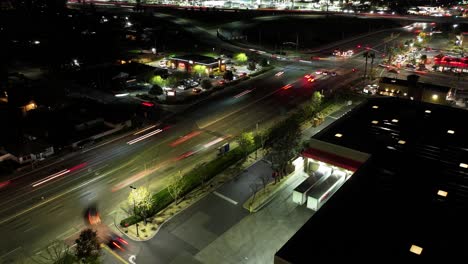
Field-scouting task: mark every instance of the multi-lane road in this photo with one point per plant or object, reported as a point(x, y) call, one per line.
point(47, 204)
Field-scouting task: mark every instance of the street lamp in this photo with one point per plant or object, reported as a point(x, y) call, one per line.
point(134, 210)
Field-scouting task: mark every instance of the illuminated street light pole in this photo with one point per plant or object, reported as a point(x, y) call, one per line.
point(134, 210)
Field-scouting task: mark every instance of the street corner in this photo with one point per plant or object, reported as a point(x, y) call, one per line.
point(137, 232)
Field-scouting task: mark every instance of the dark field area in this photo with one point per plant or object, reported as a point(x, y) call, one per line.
point(311, 31)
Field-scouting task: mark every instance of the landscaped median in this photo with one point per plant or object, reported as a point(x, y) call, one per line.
point(191, 180)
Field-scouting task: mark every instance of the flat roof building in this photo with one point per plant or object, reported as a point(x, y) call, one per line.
point(408, 201)
point(197, 63)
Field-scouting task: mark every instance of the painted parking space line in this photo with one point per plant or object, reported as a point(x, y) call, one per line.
point(225, 198)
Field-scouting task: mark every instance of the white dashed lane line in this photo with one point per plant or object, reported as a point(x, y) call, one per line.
point(225, 198)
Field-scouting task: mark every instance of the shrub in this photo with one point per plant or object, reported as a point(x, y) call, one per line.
point(130, 220)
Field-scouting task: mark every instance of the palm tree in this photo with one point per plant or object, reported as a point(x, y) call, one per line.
point(365, 55)
point(372, 56)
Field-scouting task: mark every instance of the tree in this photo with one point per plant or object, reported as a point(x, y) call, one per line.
point(263, 62)
point(283, 143)
point(310, 109)
point(206, 84)
point(316, 100)
point(142, 202)
point(156, 90)
point(158, 80)
point(241, 58)
point(88, 249)
point(423, 59)
point(246, 142)
point(254, 187)
point(264, 178)
point(57, 252)
point(251, 66)
point(228, 75)
point(176, 186)
point(199, 69)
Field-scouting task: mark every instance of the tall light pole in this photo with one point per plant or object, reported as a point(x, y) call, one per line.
point(134, 210)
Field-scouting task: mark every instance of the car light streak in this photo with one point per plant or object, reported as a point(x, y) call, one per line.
point(185, 155)
point(211, 143)
point(139, 176)
point(145, 129)
point(242, 94)
point(4, 184)
point(157, 131)
point(50, 177)
point(185, 138)
point(77, 167)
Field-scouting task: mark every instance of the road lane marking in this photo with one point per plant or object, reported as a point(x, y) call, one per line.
point(225, 198)
point(113, 253)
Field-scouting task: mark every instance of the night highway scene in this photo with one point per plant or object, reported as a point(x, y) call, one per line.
point(233, 131)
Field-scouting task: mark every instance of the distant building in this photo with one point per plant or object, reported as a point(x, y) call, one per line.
point(425, 92)
point(6, 5)
point(197, 63)
point(26, 152)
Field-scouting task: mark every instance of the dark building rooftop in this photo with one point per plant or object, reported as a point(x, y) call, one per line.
point(200, 59)
point(412, 192)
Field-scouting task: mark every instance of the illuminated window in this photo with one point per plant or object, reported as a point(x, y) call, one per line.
point(416, 250)
point(375, 106)
point(428, 111)
point(464, 165)
point(395, 120)
point(402, 142)
point(338, 135)
point(442, 193)
point(450, 131)
point(375, 122)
